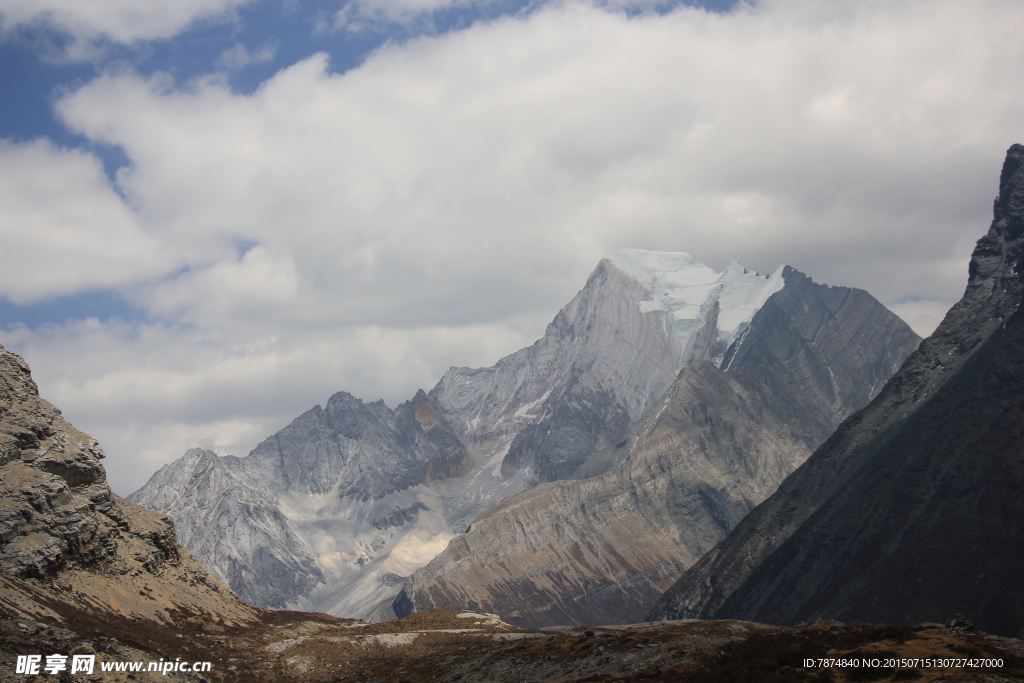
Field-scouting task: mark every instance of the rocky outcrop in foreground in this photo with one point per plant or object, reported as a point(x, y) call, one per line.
point(69, 545)
point(912, 510)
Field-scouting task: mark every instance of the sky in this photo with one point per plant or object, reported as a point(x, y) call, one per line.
point(214, 214)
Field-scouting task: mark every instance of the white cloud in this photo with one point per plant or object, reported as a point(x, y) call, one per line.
point(361, 15)
point(149, 391)
point(121, 21)
point(239, 56)
point(922, 315)
point(404, 212)
point(60, 221)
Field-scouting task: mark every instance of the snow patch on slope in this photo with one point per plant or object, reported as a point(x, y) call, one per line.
point(526, 409)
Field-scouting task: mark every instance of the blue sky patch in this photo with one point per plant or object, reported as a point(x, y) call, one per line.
point(102, 305)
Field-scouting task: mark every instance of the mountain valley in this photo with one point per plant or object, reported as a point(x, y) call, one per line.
point(903, 524)
point(87, 574)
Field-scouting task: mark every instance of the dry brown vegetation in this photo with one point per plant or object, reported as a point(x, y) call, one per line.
point(445, 645)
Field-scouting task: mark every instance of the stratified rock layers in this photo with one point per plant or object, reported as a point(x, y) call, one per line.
point(912, 510)
point(602, 550)
point(68, 543)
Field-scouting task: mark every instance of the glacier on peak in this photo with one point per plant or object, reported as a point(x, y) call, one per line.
point(687, 289)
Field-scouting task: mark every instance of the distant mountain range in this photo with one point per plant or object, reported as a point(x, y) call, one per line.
point(333, 512)
point(912, 511)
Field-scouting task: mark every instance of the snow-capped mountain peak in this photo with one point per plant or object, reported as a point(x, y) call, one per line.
point(687, 289)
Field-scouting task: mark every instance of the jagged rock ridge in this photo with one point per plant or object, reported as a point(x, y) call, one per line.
point(341, 494)
point(299, 522)
point(911, 511)
point(601, 550)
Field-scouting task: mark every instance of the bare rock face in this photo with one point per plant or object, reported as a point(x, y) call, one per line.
point(67, 542)
point(546, 409)
point(601, 550)
point(718, 442)
point(912, 510)
point(234, 513)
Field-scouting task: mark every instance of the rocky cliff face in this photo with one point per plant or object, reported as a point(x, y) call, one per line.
point(911, 511)
point(67, 543)
point(602, 550)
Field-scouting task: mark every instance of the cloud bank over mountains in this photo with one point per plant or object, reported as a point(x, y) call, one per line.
point(436, 204)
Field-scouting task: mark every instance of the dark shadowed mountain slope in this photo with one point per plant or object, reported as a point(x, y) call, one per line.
point(603, 549)
point(912, 510)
